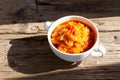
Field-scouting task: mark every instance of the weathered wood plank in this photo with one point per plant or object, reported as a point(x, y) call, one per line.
point(22, 28)
point(22, 54)
point(12, 6)
point(103, 24)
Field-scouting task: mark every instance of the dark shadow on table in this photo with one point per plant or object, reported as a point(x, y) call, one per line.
point(33, 55)
point(51, 12)
point(107, 72)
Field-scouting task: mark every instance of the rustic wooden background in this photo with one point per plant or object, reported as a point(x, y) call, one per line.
point(24, 50)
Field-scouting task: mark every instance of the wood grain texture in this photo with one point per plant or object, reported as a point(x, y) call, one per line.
point(24, 50)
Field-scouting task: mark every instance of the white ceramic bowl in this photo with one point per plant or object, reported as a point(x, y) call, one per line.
point(75, 57)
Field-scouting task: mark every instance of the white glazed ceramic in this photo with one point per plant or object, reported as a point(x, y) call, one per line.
point(75, 57)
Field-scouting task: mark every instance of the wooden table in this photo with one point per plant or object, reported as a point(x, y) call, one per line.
point(24, 49)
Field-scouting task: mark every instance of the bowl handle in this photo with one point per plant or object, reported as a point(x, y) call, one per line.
point(47, 25)
point(99, 51)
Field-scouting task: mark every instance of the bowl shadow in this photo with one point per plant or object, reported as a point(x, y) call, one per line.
point(33, 55)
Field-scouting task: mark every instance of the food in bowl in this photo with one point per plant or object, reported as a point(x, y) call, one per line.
point(73, 37)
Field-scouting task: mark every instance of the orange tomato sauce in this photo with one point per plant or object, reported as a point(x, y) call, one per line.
point(72, 37)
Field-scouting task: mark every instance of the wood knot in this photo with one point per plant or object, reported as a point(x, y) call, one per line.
point(115, 37)
point(100, 23)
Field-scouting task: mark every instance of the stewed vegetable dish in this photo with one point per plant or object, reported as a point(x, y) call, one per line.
point(73, 37)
